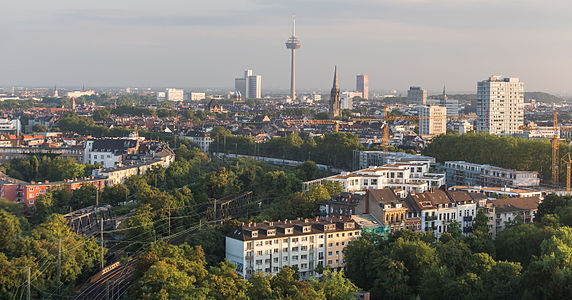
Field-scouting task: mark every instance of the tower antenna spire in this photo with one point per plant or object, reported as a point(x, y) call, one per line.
point(293, 24)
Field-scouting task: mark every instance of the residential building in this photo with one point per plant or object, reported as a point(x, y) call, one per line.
point(10, 126)
point(77, 94)
point(202, 139)
point(452, 105)
point(432, 120)
point(365, 159)
point(417, 95)
point(498, 192)
point(109, 152)
point(362, 85)
point(507, 210)
point(386, 208)
point(175, 95)
point(343, 204)
point(194, 96)
point(470, 174)
point(27, 192)
point(403, 177)
point(500, 105)
point(346, 99)
point(304, 243)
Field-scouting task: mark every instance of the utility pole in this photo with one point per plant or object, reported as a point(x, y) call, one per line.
point(59, 259)
point(101, 226)
point(28, 283)
point(214, 211)
point(97, 196)
point(169, 211)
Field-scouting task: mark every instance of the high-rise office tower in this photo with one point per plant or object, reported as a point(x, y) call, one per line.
point(254, 86)
point(362, 85)
point(500, 105)
point(249, 86)
point(433, 120)
point(335, 108)
point(417, 95)
point(293, 43)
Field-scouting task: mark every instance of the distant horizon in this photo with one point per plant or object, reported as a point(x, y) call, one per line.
point(398, 43)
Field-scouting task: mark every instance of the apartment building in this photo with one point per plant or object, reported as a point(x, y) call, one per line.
point(470, 174)
point(365, 159)
point(506, 210)
point(500, 105)
point(498, 192)
point(417, 95)
point(402, 177)
point(432, 120)
point(27, 192)
point(305, 243)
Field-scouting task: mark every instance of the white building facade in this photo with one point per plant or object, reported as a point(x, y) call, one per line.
point(267, 247)
point(500, 105)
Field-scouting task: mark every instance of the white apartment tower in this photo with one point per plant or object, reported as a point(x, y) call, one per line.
point(433, 120)
point(417, 95)
point(500, 105)
point(175, 94)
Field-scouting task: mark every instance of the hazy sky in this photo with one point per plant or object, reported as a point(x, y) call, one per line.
point(206, 43)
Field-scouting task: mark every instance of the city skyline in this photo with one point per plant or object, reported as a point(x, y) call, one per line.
point(203, 45)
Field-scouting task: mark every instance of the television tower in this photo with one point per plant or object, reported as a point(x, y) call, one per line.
point(293, 43)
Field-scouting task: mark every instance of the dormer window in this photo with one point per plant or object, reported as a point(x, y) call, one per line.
point(306, 229)
point(271, 232)
point(289, 230)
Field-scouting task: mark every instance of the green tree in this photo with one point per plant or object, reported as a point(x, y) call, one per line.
point(10, 230)
point(334, 286)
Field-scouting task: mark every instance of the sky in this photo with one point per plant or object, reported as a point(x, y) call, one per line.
point(206, 44)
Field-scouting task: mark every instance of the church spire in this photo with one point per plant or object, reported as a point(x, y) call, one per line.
point(335, 77)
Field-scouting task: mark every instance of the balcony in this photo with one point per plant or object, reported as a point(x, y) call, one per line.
point(467, 218)
point(467, 229)
point(431, 218)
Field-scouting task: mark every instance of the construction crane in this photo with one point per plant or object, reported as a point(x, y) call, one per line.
point(567, 159)
point(555, 150)
point(386, 119)
point(385, 122)
point(336, 123)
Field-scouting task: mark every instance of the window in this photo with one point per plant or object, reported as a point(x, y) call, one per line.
point(330, 244)
point(275, 250)
point(295, 257)
point(330, 253)
point(276, 259)
point(268, 243)
point(350, 234)
point(304, 256)
point(284, 249)
point(304, 248)
point(343, 243)
point(304, 239)
point(275, 269)
point(294, 240)
point(259, 252)
point(259, 261)
point(294, 249)
point(321, 246)
point(329, 262)
point(285, 258)
point(338, 252)
point(330, 236)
